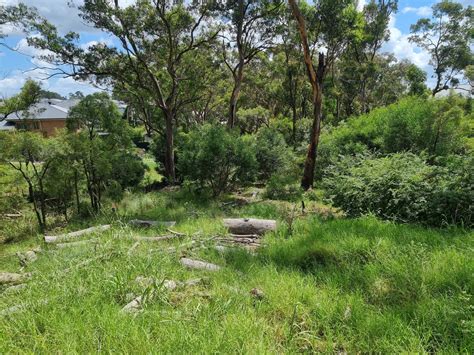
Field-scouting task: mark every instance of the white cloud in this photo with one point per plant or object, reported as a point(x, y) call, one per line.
point(106, 41)
point(62, 13)
point(40, 71)
point(361, 4)
point(64, 86)
point(420, 11)
point(402, 48)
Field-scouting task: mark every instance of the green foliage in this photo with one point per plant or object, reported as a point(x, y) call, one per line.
point(127, 169)
point(416, 124)
point(283, 186)
point(30, 94)
point(448, 37)
point(352, 285)
point(272, 153)
point(403, 187)
point(213, 157)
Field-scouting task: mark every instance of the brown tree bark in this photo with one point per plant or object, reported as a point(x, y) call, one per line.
point(238, 77)
point(169, 149)
point(315, 78)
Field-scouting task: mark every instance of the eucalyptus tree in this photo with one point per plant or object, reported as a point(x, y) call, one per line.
point(31, 155)
point(15, 15)
point(248, 29)
point(448, 37)
point(359, 64)
point(333, 24)
point(151, 41)
point(98, 136)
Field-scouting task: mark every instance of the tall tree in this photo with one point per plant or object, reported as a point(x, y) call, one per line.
point(336, 22)
point(447, 36)
point(155, 37)
point(248, 30)
point(359, 67)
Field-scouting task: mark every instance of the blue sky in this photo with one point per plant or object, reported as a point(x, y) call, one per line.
point(16, 67)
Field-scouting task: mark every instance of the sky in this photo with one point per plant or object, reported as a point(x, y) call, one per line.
point(19, 65)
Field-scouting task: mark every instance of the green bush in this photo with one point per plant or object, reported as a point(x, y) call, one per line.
point(216, 158)
point(405, 188)
point(438, 127)
point(272, 153)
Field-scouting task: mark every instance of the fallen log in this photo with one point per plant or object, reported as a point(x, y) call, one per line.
point(13, 278)
point(249, 226)
point(68, 236)
point(148, 224)
point(197, 264)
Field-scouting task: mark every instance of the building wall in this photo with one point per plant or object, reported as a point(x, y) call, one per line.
point(49, 127)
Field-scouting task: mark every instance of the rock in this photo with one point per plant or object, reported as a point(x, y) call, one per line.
point(26, 257)
point(257, 293)
point(133, 307)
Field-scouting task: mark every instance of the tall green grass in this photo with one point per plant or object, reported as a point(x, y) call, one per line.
point(331, 286)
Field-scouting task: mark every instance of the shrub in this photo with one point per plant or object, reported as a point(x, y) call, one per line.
point(272, 153)
point(127, 169)
point(416, 124)
point(403, 187)
point(216, 158)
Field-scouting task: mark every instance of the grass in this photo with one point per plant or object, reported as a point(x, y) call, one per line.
point(333, 285)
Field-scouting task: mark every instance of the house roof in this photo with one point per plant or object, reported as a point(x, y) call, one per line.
point(45, 109)
point(50, 109)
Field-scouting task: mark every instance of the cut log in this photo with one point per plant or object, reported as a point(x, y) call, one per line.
point(76, 244)
point(13, 278)
point(248, 226)
point(148, 224)
point(197, 264)
point(72, 235)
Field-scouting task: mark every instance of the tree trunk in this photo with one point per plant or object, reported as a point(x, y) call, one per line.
point(76, 190)
point(169, 149)
point(235, 96)
point(310, 163)
point(315, 79)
